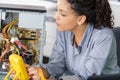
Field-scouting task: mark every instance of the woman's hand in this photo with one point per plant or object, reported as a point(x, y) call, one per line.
point(33, 72)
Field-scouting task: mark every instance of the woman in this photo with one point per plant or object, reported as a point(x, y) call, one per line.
point(85, 44)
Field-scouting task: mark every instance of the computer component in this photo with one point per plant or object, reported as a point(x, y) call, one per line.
point(24, 27)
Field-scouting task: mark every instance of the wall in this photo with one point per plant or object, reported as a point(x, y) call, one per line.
point(115, 5)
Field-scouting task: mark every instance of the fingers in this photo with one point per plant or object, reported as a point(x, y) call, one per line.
point(35, 77)
point(33, 72)
point(13, 75)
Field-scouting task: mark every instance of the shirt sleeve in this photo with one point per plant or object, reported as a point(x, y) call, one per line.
point(104, 48)
point(71, 77)
point(56, 65)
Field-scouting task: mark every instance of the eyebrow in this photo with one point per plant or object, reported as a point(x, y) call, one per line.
point(61, 9)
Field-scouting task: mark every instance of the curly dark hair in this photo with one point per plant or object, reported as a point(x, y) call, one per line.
point(97, 12)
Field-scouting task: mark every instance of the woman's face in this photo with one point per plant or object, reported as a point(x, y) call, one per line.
point(66, 18)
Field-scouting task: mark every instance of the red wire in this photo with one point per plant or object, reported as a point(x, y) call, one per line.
point(19, 43)
point(5, 51)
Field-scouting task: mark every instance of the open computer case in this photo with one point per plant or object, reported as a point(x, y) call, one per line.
point(25, 24)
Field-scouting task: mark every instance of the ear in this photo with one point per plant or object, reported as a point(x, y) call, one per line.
point(81, 19)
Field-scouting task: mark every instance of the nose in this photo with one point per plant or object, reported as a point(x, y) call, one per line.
point(56, 16)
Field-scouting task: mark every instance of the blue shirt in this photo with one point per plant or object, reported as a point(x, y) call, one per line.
point(96, 54)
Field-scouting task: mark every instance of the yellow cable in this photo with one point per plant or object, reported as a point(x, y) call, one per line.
point(11, 25)
point(16, 49)
point(8, 74)
point(15, 77)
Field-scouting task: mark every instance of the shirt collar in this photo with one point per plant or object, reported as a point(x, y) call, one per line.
point(86, 37)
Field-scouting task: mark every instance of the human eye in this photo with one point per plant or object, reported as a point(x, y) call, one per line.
point(63, 14)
